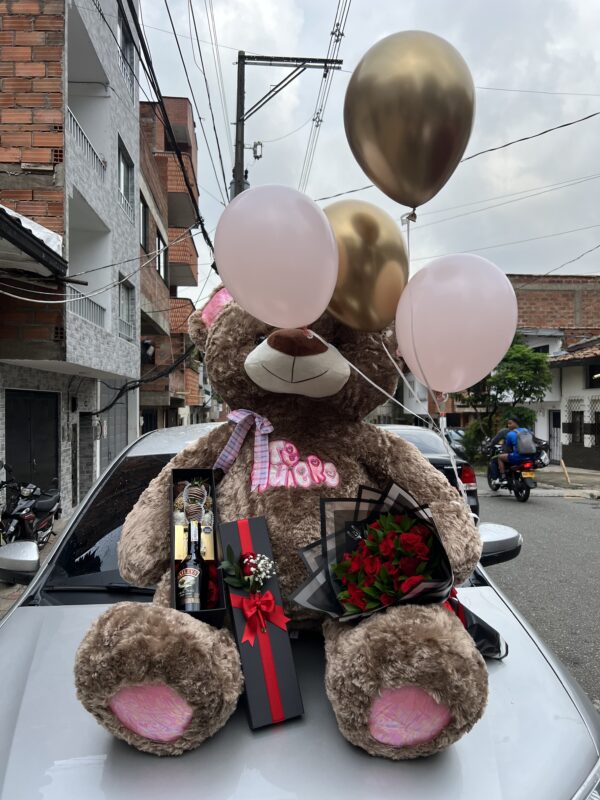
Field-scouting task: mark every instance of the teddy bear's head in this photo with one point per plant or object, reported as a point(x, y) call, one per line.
point(274, 371)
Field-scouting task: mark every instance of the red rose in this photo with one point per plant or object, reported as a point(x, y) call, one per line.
point(369, 581)
point(408, 565)
point(375, 525)
point(372, 565)
point(356, 563)
point(422, 551)
point(398, 519)
point(409, 541)
point(386, 548)
point(245, 565)
point(393, 569)
point(385, 599)
point(357, 597)
point(421, 530)
point(410, 583)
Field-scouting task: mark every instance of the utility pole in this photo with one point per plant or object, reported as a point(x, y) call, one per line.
point(298, 65)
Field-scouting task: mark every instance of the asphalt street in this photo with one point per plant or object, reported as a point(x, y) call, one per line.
point(554, 581)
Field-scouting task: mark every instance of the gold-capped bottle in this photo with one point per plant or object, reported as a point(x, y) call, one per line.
point(190, 574)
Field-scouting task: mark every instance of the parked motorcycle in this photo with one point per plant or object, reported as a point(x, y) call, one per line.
point(29, 513)
point(519, 479)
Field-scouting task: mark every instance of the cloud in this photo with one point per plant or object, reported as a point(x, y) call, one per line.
point(511, 45)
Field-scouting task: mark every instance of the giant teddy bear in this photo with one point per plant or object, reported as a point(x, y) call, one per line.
point(149, 656)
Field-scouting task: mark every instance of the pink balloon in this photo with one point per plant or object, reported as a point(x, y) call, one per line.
point(277, 255)
point(455, 321)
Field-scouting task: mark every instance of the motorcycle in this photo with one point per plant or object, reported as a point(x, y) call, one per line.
point(29, 512)
point(519, 479)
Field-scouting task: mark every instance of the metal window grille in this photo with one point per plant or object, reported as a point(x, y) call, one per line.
point(85, 307)
point(595, 420)
point(82, 141)
point(126, 311)
point(573, 427)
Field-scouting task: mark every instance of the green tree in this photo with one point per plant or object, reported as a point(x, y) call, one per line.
point(522, 377)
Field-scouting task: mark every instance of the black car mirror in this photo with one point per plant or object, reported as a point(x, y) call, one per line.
point(500, 543)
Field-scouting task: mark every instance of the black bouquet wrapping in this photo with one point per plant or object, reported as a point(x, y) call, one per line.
point(381, 549)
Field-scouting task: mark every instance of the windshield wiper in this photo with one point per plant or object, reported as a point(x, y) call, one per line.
point(106, 587)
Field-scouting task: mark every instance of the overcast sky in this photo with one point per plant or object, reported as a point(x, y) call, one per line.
point(547, 53)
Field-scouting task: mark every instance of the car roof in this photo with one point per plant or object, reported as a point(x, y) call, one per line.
point(170, 440)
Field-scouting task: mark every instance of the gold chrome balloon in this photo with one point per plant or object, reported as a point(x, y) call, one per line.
point(408, 114)
point(373, 265)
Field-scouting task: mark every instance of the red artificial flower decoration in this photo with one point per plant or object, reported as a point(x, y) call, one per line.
point(397, 555)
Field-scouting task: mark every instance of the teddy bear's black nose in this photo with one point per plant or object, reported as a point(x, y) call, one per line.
point(294, 342)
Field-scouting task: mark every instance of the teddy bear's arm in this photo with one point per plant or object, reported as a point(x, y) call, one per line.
point(144, 543)
point(387, 457)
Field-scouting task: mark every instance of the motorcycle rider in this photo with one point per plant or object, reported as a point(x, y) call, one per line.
point(511, 454)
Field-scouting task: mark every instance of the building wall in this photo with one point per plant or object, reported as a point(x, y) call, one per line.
point(558, 302)
point(68, 386)
point(32, 83)
point(577, 398)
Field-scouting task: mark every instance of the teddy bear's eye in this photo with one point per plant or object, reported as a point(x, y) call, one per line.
point(259, 339)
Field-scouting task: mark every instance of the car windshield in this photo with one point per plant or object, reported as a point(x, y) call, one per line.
point(426, 441)
point(89, 556)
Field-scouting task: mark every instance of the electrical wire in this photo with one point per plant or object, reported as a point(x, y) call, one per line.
point(504, 203)
point(189, 83)
point(203, 71)
point(285, 136)
point(555, 269)
point(481, 152)
point(103, 289)
point(335, 40)
point(212, 30)
point(508, 244)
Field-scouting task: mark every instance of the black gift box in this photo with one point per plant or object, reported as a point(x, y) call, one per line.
point(272, 690)
point(213, 616)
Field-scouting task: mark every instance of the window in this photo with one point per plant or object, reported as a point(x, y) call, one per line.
point(126, 52)
point(125, 181)
point(126, 311)
point(144, 224)
point(593, 376)
point(577, 425)
point(542, 348)
point(161, 257)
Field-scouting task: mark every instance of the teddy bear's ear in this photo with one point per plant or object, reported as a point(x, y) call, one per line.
point(202, 320)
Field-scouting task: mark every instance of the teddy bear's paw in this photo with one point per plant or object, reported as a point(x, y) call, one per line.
point(405, 683)
point(157, 678)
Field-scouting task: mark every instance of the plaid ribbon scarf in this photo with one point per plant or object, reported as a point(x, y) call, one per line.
point(244, 420)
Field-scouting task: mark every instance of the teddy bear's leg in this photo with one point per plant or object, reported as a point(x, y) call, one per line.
point(158, 678)
point(404, 683)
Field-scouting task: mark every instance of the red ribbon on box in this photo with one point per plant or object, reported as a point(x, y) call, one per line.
point(258, 609)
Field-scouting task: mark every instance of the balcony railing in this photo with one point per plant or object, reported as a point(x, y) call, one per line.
point(125, 205)
point(85, 307)
point(82, 141)
point(126, 329)
point(127, 72)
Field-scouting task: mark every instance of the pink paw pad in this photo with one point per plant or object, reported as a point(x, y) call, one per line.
point(152, 710)
point(406, 717)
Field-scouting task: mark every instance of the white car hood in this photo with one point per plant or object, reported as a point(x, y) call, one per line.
point(532, 741)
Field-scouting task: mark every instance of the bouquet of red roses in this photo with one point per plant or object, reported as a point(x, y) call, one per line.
point(396, 555)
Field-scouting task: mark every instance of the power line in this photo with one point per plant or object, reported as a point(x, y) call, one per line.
point(285, 136)
point(212, 30)
point(555, 269)
point(335, 40)
point(560, 184)
point(101, 290)
point(480, 153)
point(203, 71)
point(506, 244)
point(187, 77)
point(504, 203)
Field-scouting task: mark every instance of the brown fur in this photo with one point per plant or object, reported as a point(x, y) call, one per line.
point(424, 645)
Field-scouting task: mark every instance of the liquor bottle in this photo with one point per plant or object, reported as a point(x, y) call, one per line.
point(191, 574)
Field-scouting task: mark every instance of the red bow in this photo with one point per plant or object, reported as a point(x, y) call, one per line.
point(454, 605)
point(258, 609)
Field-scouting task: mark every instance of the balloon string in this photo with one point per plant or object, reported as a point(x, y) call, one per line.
point(411, 218)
